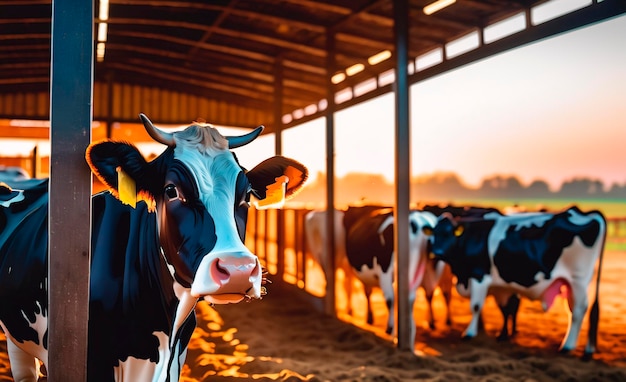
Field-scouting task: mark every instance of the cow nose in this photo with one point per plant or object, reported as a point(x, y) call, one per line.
point(230, 271)
point(235, 273)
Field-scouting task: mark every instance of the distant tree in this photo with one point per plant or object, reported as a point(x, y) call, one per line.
point(538, 189)
point(441, 185)
point(446, 186)
point(501, 186)
point(617, 191)
point(582, 187)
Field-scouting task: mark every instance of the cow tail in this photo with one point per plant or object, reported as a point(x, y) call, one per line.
point(594, 314)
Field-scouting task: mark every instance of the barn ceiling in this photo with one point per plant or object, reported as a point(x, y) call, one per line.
point(240, 52)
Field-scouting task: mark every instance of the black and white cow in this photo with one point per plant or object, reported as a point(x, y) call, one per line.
point(369, 234)
point(151, 263)
point(508, 303)
point(436, 274)
point(534, 254)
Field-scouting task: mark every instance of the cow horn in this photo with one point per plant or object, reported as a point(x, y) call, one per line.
point(157, 134)
point(242, 140)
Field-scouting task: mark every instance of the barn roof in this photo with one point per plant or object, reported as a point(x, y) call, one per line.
point(232, 61)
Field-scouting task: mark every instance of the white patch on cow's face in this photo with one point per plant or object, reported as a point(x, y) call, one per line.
point(216, 173)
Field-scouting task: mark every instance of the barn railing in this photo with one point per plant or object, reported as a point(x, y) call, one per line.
point(616, 228)
point(284, 254)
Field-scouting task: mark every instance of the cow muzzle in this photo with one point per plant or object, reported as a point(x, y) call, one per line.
point(231, 277)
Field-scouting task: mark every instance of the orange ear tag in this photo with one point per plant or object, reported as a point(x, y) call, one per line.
point(274, 196)
point(126, 188)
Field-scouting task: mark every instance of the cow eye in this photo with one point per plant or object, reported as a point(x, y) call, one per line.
point(171, 192)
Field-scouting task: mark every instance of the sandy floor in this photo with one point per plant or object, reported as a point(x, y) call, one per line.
point(281, 338)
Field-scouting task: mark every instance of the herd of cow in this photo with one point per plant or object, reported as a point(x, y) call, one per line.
point(182, 241)
point(535, 255)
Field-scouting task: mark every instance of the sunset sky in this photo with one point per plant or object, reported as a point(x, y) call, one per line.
point(553, 110)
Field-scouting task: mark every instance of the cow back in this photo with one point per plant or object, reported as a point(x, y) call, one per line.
point(364, 242)
point(23, 259)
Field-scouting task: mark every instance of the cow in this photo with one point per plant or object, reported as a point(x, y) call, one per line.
point(507, 303)
point(316, 237)
point(533, 254)
point(153, 259)
point(369, 236)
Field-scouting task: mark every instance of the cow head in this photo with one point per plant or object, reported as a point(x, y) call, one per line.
point(201, 196)
point(443, 236)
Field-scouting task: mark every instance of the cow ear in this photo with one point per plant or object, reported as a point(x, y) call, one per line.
point(271, 170)
point(107, 158)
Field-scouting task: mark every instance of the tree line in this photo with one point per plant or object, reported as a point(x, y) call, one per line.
point(449, 186)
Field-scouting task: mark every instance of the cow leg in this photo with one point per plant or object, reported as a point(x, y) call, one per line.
point(368, 293)
point(431, 314)
point(445, 285)
point(386, 284)
point(347, 281)
point(477, 299)
point(24, 367)
point(412, 326)
point(447, 295)
point(509, 307)
point(578, 303)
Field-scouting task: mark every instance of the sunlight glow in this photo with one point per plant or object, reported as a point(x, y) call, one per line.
point(343, 95)
point(365, 87)
point(429, 59)
point(322, 104)
point(311, 109)
point(379, 57)
point(462, 45)
point(102, 32)
point(103, 13)
point(337, 78)
point(437, 6)
point(387, 77)
point(555, 8)
point(297, 114)
point(354, 69)
point(505, 27)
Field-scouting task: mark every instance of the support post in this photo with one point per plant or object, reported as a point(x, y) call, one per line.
point(278, 131)
point(71, 108)
point(329, 250)
point(402, 310)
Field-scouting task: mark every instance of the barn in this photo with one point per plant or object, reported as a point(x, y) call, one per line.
point(233, 63)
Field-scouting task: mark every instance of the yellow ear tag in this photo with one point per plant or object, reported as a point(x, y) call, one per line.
point(126, 188)
point(275, 194)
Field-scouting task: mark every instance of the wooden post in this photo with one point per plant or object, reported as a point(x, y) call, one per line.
point(71, 91)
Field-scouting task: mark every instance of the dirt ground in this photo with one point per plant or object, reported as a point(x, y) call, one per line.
point(281, 338)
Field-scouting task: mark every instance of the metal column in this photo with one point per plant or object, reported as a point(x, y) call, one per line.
point(329, 250)
point(71, 90)
point(402, 309)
